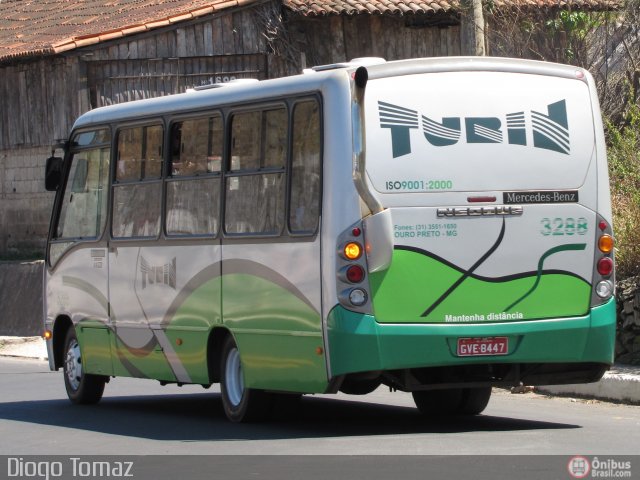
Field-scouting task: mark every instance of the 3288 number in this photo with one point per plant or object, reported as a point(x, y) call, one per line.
point(563, 226)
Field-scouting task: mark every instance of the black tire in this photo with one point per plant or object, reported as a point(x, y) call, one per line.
point(452, 401)
point(359, 386)
point(240, 404)
point(475, 400)
point(438, 402)
point(82, 388)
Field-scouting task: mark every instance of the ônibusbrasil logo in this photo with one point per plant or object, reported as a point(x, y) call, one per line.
point(550, 129)
point(579, 467)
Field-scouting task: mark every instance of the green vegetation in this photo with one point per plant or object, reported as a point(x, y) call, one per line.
point(624, 170)
point(573, 29)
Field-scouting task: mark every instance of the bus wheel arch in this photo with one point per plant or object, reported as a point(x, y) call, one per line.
point(60, 328)
point(217, 337)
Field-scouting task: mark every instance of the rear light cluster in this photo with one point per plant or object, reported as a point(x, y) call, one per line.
point(351, 268)
point(604, 283)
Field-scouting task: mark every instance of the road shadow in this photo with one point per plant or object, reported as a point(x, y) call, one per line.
point(200, 417)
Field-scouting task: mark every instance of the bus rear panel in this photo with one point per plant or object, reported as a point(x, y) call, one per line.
point(494, 176)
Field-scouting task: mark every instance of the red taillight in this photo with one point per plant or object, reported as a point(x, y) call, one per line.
point(355, 274)
point(605, 266)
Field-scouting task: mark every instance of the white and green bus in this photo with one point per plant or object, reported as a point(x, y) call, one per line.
point(439, 226)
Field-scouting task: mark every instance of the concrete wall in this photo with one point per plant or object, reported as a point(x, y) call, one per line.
point(25, 206)
point(21, 298)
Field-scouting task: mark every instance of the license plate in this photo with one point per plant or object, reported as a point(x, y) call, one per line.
point(479, 347)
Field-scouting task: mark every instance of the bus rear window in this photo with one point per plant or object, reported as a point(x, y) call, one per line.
point(511, 131)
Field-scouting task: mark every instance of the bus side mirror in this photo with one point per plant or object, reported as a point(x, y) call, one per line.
point(53, 174)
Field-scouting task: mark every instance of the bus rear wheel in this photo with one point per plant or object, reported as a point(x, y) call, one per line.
point(82, 388)
point(475, 400)
point(451, 401)
point(240, 404)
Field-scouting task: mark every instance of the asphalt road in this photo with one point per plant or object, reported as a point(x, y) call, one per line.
point(142, 417)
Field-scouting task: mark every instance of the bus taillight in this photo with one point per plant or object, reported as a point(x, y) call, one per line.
point(352, 251)
point(604, 263)
point(351, 269)
point(604, 289)
point(605, 243)
point(358, 297)
point(605, 266)
point(355, 273)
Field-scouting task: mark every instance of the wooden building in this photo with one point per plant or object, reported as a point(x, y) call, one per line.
point(59, 59)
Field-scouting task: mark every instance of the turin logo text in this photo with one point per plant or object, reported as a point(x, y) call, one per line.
point(550, 130)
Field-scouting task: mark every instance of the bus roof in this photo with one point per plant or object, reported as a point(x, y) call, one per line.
point(208, 98)
point(315, 80)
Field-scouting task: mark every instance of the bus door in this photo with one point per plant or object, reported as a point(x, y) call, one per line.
point(77, 256)
point(271, 250)
point(167, 292)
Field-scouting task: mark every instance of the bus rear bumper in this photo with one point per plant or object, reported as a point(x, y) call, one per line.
point(566, 350)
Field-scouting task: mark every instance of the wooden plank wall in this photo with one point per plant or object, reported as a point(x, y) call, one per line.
point(225, 34)
point(171, 60)
point(112, 82)
point(340, 38)
point(40, 101)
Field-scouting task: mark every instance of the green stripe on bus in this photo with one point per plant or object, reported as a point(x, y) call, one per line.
point(416, 281)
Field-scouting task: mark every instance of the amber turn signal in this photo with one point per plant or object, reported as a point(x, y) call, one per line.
point(605, 243)
point(352, 250)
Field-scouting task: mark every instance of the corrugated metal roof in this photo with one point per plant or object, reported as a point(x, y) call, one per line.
point(40, 27)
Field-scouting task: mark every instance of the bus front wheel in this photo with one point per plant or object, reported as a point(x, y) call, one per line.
point(82, 388)
point(240, 404)
point(464, 401)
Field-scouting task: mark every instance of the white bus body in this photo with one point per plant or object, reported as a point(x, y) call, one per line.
point(475, 188)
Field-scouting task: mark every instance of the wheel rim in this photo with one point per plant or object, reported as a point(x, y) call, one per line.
point(73, 365)
point(233, 377)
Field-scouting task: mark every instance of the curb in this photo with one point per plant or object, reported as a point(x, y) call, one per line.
point(24, 347)
point(620, 384)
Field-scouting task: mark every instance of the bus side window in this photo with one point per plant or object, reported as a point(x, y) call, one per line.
point(255, 187)
point(193, 192)
point(84, 205)
point(304, 209)
point(137, 189)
